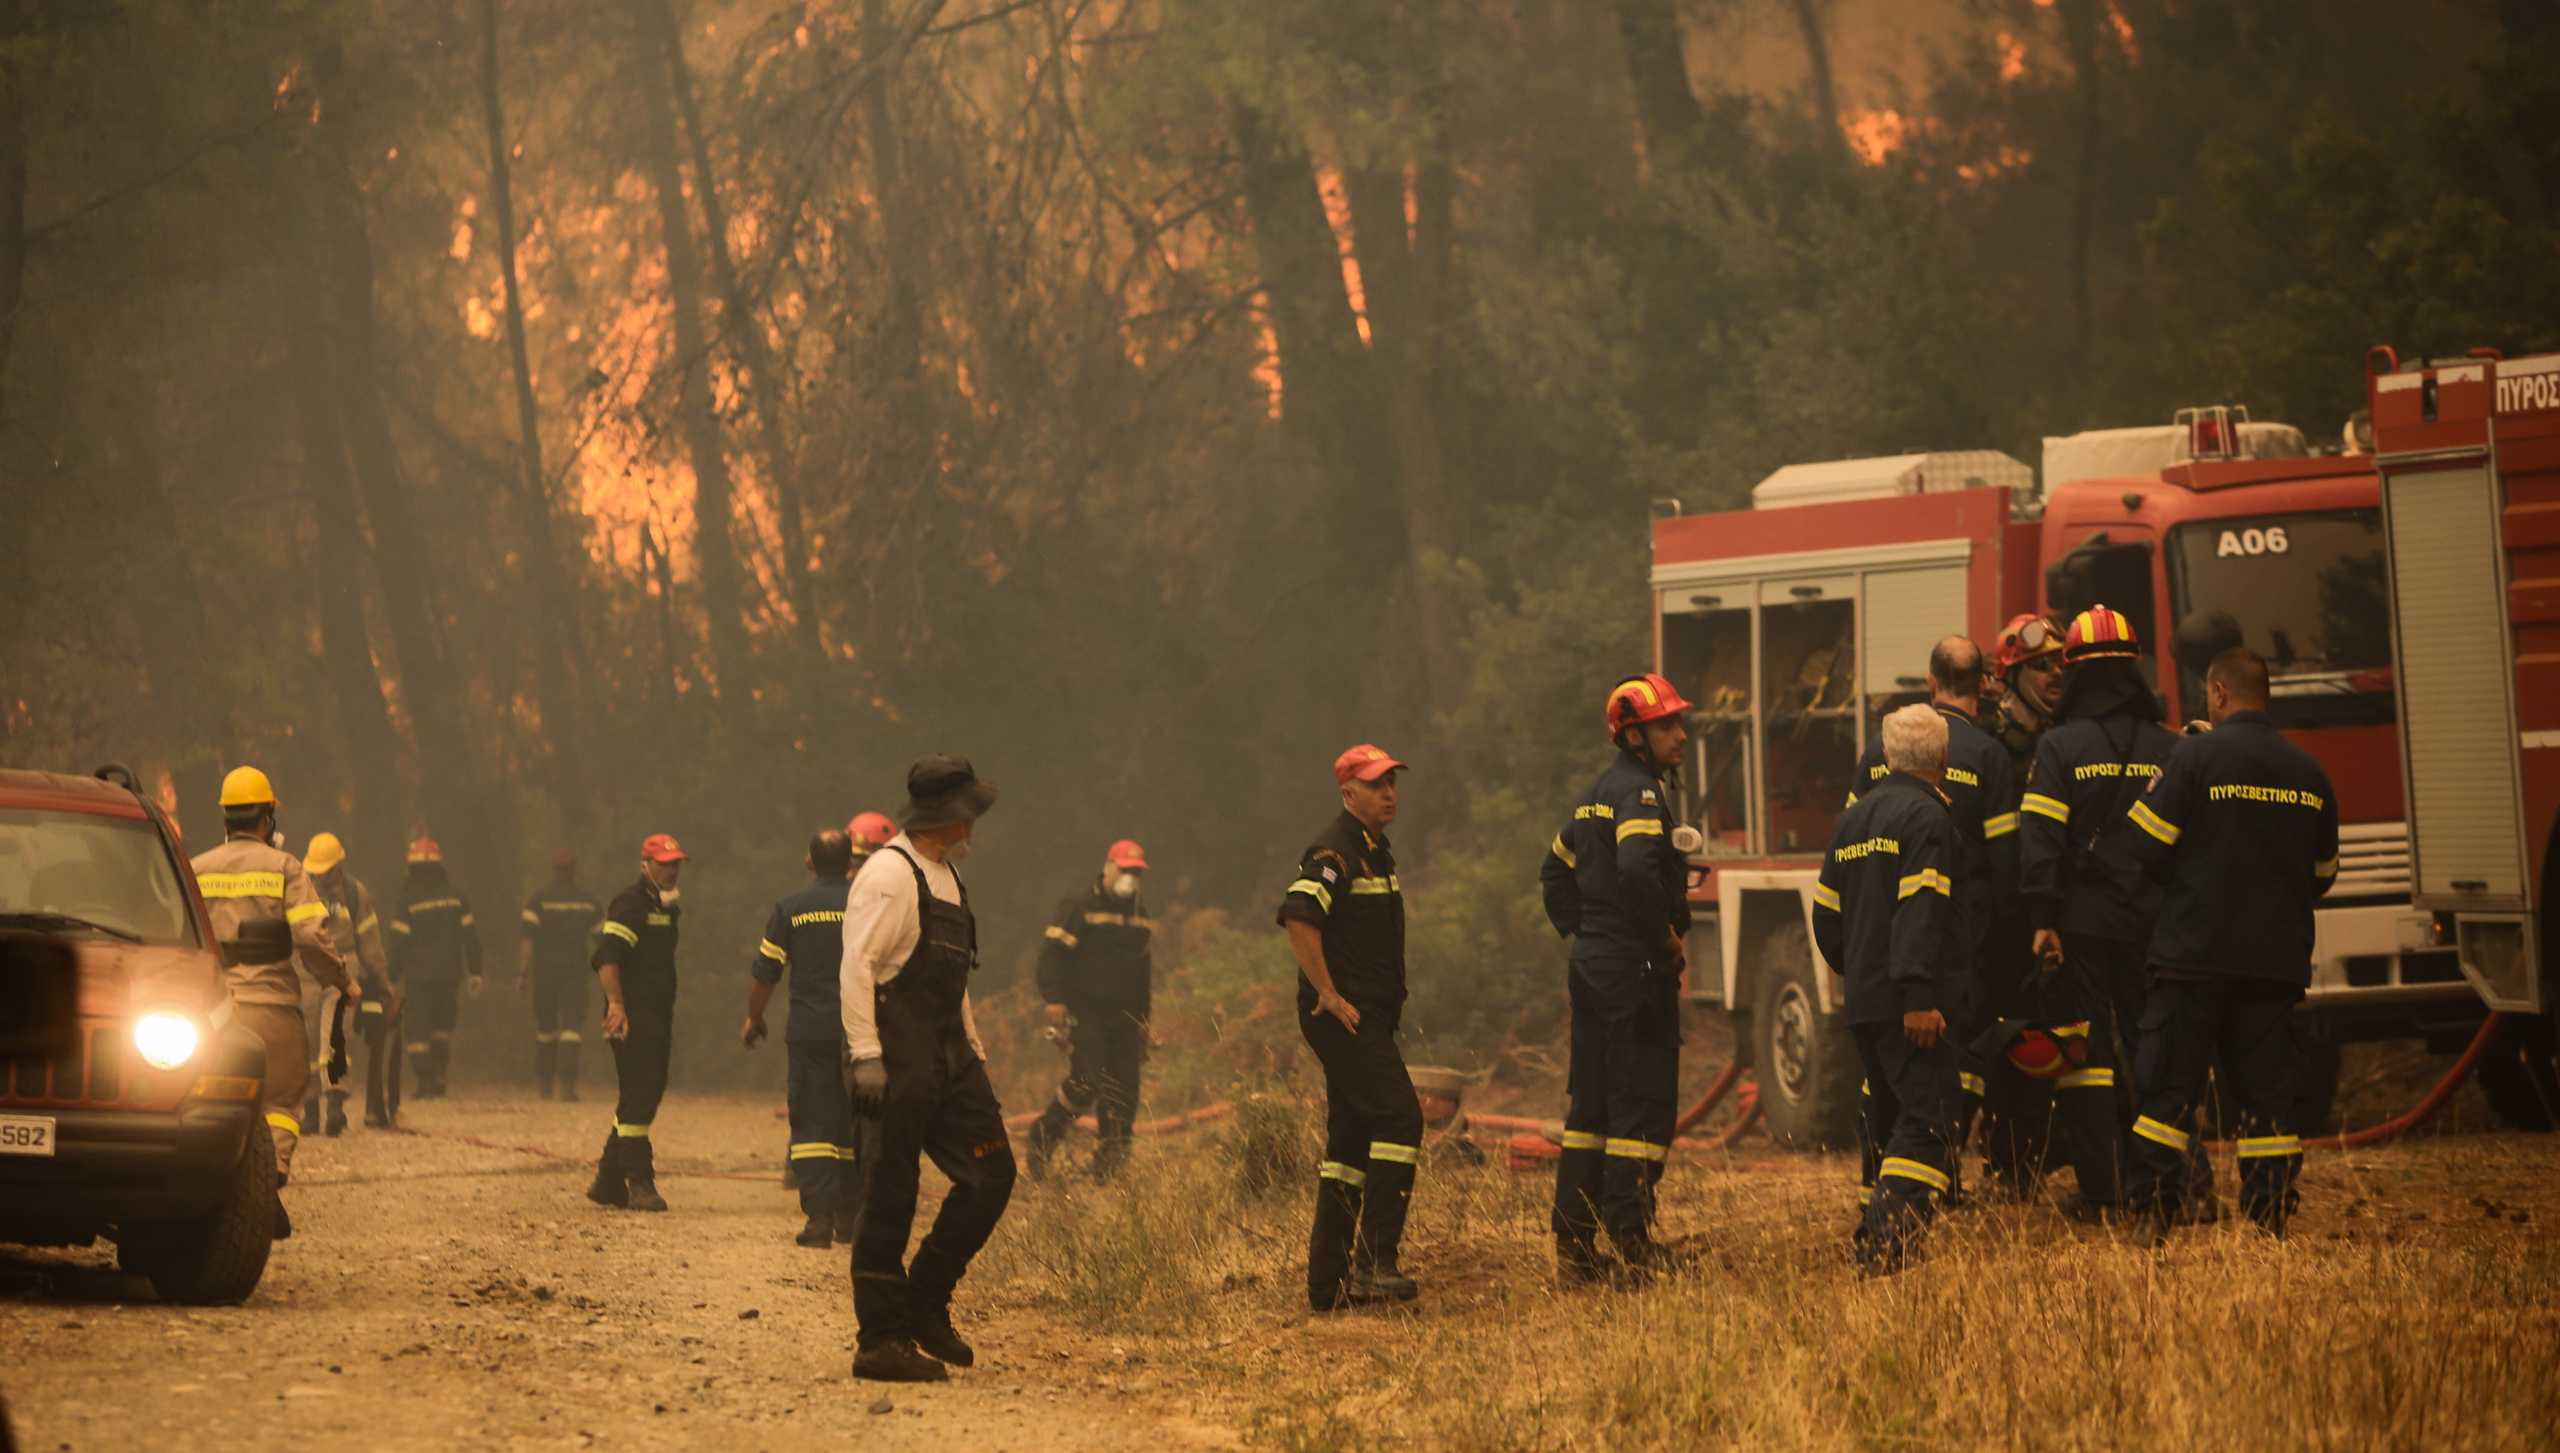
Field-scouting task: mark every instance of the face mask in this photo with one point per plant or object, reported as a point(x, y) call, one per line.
point(667, 895)
point(1124, 885)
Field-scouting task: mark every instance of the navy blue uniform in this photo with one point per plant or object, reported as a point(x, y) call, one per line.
point(2078, 882)
point(1346, 885)
point(2242, 830)
point(804, 934)
point(1884, 916)
point(560, 926)
point(1614, 885)
point(638, 937)
point(1098, 961)
point(435, 944)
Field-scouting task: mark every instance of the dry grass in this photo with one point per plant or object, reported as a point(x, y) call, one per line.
point(2411, 1310)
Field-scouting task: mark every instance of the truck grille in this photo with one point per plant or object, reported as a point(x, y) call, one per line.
point(94, 1071)
point(2373, 861)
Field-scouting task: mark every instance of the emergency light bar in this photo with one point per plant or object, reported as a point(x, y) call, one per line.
point(2210, 432)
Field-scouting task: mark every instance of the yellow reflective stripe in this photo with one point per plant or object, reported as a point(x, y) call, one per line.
point(2255, 1147)
point(2000, 826)
point(1912, 1170)
point(545, 1036)
point(1064, 937)
point(567, 1036)
point(631, 1132)
point(531, 918)
point(2154, 824)
point(1851, 802)
point(622, 931)
point(2043, 806)
point(435, 903)
point(2326, 868)
point(400, 927)
point(1826, 896)
point(1930, 879)
point(468, 920)
point(1637, 1149)
point(1315, 890)
point(1639, 827)
point(769, 949)
point(284, 1122)
point(847, 1152)
point(2159, 1134)
point(2100, 1076)
point(306, 912)
point(1969, 1081)
point(814, 1150)
point(1866, 1195)
point(1400, 1154)
point(1377, 885)
point(1865, 1089)
point(1349, 1175)
point(1565, 853)
point(2078, 1028)
point(1583, 1139)
point(369, 923)
point(241, 885)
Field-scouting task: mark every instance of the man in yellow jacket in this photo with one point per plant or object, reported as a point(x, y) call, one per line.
point(250, 886)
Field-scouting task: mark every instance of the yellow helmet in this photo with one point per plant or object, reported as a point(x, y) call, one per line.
point(247, 787)
point(325, 852)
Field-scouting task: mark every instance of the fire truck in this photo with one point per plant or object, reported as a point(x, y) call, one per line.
point(1795, 624)
point(2469, 457)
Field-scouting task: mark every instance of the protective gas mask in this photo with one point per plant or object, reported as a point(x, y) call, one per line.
point(1123, 885)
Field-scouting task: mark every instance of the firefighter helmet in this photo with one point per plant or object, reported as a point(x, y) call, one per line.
point(423, 849)
point(870, 830)
point(2097, 634)
point(325, 852)
point(247, 787)
point(2027, 637)
point(1639, 700)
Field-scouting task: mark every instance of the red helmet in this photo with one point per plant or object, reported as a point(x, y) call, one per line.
point(2043, 1054)
point(2027, 637)
point(2099, 633)
point(563, 859)
point(1127, 854)
point(423, 849)
point(661, 847)
point(1641, 699)
point(870, 829)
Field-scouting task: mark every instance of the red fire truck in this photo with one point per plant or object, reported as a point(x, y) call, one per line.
point(2469, 453)
point(1795, 624)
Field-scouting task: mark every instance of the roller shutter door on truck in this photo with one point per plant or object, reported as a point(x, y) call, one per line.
point(1907, 613)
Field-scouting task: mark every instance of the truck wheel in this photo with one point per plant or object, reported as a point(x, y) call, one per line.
point(1803, 1059)
point(2518, 1075)
point(218, 1259)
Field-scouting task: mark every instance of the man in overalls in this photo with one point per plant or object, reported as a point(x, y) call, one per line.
point(914, 1060)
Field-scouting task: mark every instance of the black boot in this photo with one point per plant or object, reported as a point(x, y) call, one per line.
point(934, 1334)
point(1045, 1134)
point(1329, 1243)
point(564, 1069)
point(544, 1052)
point(897, 1360)
point(311, 1112)
point(611, 1188)
point(1384, 1202)
point(642, 1170)
point(818, 1232)
point(337, 1113)
point(1376, 1279)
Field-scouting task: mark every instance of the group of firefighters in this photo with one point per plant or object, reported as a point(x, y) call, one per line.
point(2036, 886)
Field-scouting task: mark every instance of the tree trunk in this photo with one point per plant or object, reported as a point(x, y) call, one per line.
point(715, 554)
point(745, 333)
point(13, 211)
point(2080, 35)
point(1667, 110)
point(559, 683)
point(1817, 60)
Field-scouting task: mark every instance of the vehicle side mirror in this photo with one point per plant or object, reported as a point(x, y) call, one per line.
point(39, 995)
point(259, 941)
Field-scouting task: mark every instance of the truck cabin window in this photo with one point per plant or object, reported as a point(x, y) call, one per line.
point(2306, 591)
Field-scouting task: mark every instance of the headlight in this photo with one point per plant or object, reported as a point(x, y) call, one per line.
point(166, 1040)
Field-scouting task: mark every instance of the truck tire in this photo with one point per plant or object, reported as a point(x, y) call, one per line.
point(218, 1259)
point(1804, 1060)
point(2518, 1075)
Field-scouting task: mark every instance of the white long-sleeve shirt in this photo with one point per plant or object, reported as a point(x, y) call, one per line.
point(882, 922)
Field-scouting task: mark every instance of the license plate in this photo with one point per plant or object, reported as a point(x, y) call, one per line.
point(26, 1135)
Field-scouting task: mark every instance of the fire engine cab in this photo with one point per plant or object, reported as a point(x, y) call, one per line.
point(1794, 625)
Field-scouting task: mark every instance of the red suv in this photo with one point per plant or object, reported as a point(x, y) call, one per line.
point(128, 1094)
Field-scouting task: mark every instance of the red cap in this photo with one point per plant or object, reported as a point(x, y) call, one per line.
point(1127, 854)
point(1364, 762)
point(659, 847)
point(563, 859)
point(871, 829)
point(423, 849)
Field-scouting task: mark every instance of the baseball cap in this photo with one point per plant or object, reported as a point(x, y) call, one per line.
point(1364, 762)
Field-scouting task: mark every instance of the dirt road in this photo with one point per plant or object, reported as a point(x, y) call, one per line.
point(442, 1294)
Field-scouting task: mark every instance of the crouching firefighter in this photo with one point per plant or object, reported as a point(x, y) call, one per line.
point(1344, 914)
point(1884, 916)
point(635, 963)
point(915, 1064)
point(804, 935)
point(1616, 886)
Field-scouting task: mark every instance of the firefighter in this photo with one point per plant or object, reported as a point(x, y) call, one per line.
point(1884, 916)
point(2018, 708)
point(266, 917)
point(1614, 885)
point(869, 832)
point(2241, 828)
point(915, 1062)
point(1344, 914)
point(551, 964)
point(1982, 793)
point(1096, 978)
point(435, 946)
point(635, 964)
point(2030, 676)
point(355, 930)
point(2090, 909)
point(805, 935)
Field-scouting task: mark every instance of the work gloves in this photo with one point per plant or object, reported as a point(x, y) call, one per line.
point(867, 1082)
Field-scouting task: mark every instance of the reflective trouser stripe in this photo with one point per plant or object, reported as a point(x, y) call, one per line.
point(545, 1036)
point(1349, 1175)
point(570, 1036)
point(2086, 1079)
point(847, 1152)
point(816, 1150)
point(1866, 1195)
point(440, 1035)
point(2159, 1134)
point(1912, 1170)
point(1583, 1139)
point(1971, 1082)
point(631, 1132)
point(2253, 1147)
point(284, 1122)
point(1637, 1149)
point(1389, 1150)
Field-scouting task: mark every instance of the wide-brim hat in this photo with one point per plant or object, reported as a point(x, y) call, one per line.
point(943, 791)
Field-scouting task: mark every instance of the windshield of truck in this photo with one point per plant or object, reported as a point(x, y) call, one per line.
point(2306, 591)
point(68, 872)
